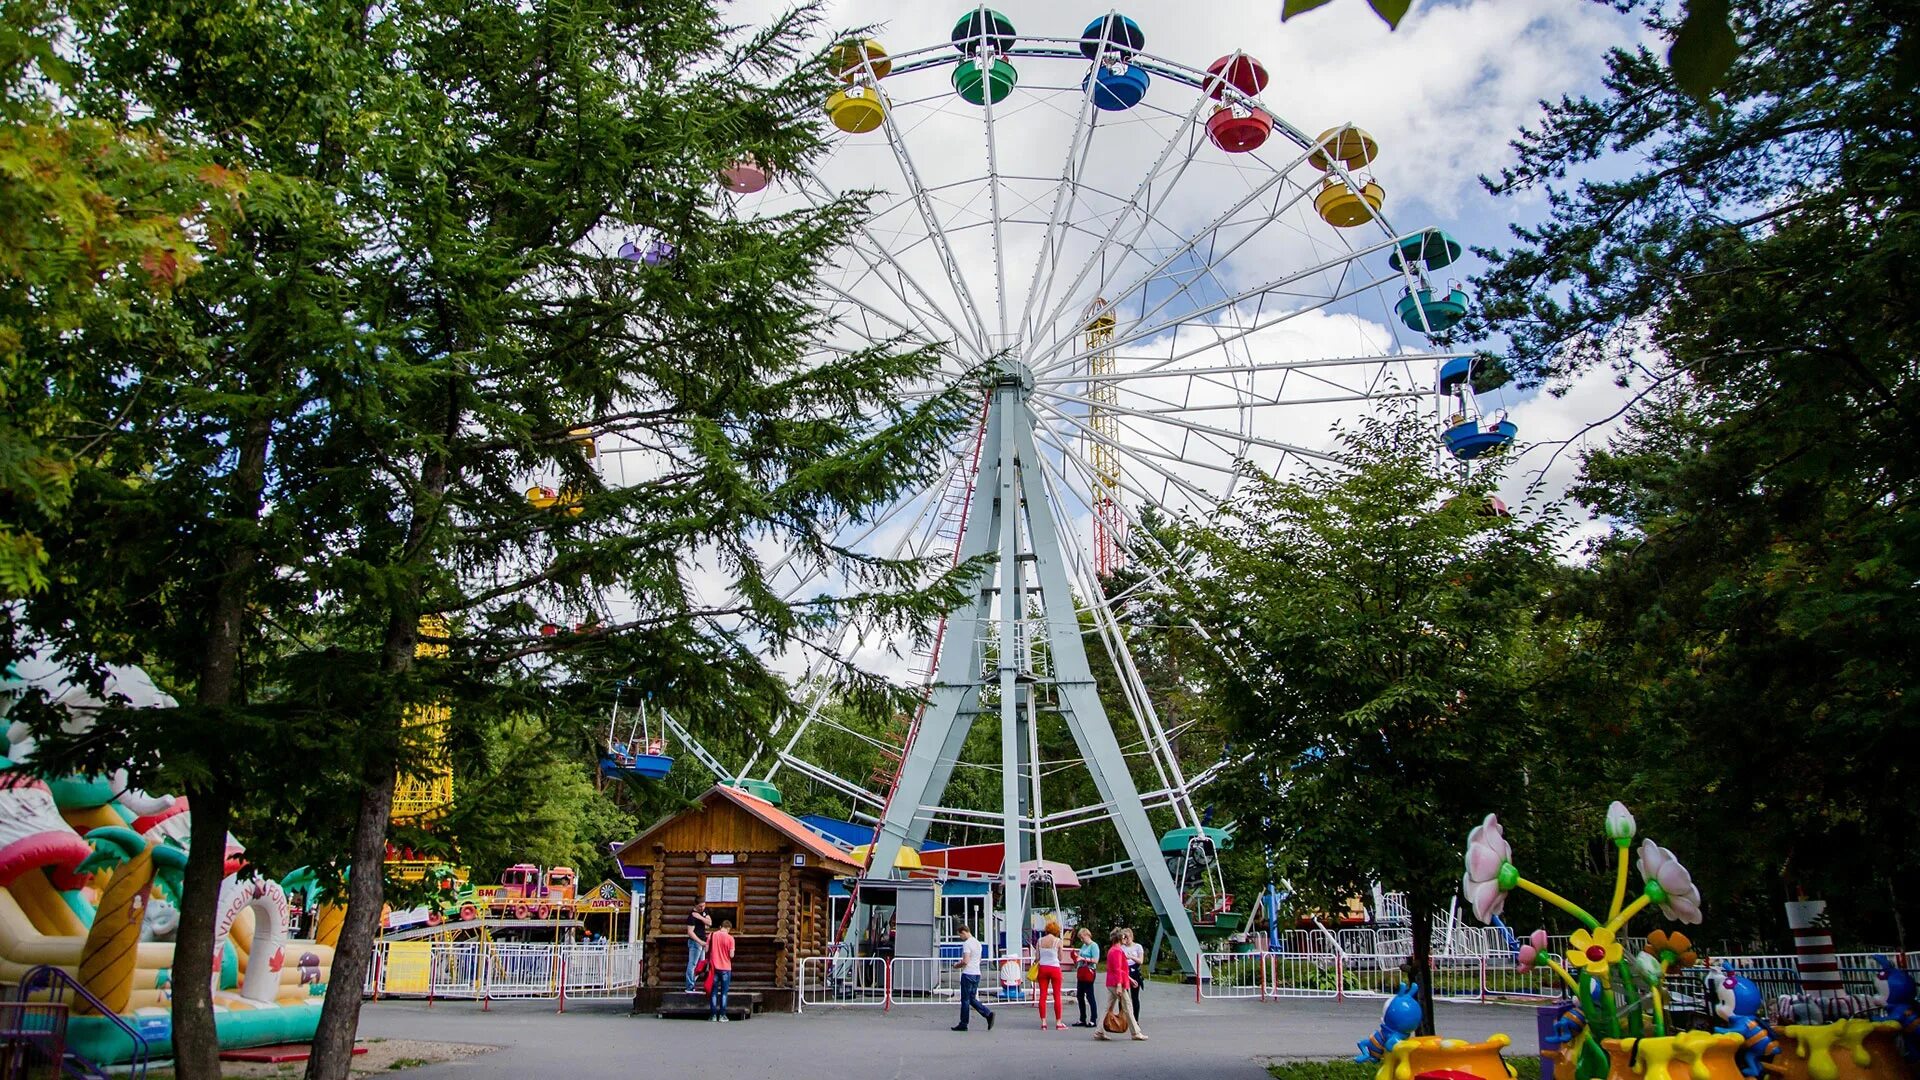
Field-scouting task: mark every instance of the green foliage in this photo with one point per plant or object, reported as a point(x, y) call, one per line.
point(413, 320)
point(98, 223)
point(1380, 655)
point(1750, 617)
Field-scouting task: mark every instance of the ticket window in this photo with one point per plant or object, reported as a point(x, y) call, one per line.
point(722, 894)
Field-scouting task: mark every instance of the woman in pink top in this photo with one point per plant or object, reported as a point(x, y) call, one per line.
point(1119, 984)
point(720, 960)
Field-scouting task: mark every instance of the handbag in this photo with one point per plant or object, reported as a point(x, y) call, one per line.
point(1033, 972)
point(1114, 1022)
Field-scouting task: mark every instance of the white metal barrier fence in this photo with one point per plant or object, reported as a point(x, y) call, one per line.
point(490, 971)
point(877, 982)
point(1326, 972)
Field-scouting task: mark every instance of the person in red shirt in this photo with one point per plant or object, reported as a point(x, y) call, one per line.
point(720, 962)
point(1119, 987)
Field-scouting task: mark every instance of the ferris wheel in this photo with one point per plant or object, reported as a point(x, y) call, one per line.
point(1155, 284)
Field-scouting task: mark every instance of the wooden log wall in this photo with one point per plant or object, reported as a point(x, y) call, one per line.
point(766, 920)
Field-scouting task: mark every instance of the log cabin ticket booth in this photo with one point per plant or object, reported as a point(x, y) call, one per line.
point(753, 864)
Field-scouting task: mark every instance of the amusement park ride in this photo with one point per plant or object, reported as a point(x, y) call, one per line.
point(1155, 286)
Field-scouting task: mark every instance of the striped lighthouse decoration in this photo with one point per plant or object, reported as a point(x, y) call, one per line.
point(1823, 993)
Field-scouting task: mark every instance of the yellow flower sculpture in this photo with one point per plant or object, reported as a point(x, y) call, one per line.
point(1594, 950)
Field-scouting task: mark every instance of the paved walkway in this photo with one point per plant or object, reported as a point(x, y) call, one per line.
point(1220, 1040)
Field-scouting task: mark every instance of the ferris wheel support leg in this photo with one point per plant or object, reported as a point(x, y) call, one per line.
point(1080, 705)
point(1013, 595)
point(952, 702)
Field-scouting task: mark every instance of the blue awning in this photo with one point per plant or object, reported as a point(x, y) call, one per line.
point(851, 834)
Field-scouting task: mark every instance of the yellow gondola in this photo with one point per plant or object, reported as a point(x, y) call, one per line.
point(851, 59)
point(856, 109)
point(1342, 207)
point(1348, 145)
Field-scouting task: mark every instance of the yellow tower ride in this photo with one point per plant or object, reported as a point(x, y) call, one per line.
point(424, 793)
point(1103, 435)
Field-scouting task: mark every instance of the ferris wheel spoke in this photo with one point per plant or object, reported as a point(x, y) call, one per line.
point(1141, 451)
point(1147, 718)
point(937, 232)
point(999, 237)
point(1201, 495)
point(1137, 333)
point(849, 297)
point(1047, 382)
point(1050, 243)
point(1351, 396)
point(1143, 205)
point(1203, 429)
point(814, 185)
point(1199, 237)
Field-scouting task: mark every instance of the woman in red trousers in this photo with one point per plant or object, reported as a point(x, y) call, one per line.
point(1046, 962)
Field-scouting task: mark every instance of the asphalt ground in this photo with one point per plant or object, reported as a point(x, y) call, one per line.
point(1213, 1039)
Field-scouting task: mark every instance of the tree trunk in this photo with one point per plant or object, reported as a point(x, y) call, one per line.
point(196, 1046)
point(1420, 964)
point(332, 1056)
point(340, 1013)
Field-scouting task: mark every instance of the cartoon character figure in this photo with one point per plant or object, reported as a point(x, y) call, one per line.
point(1896, 1000)
point(1571, 1022)
point(1400, 1019)
point(1737, 1004)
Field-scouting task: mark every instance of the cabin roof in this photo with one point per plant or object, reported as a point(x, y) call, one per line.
point(803, 838)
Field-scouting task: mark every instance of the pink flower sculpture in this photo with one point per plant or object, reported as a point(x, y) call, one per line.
point(1535, 945)
point(1668, 883)
point(1490, 872)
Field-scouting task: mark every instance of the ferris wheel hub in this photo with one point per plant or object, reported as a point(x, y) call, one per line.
point(1007, 372)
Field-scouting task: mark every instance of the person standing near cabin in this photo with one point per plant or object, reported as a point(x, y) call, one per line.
point(969, 965)
point(1136, 966)
point(1119, 987)
point(720, 959)
point(1046, 967)
point(1086, 964)
point(699, 923)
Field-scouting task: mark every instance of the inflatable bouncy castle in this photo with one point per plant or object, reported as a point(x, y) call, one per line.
point(89, 883)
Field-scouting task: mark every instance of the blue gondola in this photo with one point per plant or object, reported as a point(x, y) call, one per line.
point(1454, 372)
point(643, 755)
point(1433, 248)
point(1430, 314)
point(617, 763)
point(1121, 34)
point(1121, 86)
point(1473, 438)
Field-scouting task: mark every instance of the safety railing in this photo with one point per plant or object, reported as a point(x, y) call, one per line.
point(843, 981)
point(1271, 976)
point(877, 982)
point(490, 971)
point(33, 1039)
point(55, 986)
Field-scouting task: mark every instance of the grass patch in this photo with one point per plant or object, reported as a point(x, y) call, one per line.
point(407, 1063)
point(1525, 1067)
